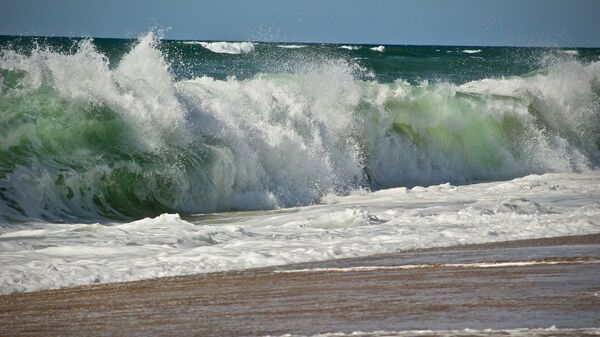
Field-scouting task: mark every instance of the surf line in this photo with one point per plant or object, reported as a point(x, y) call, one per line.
point(444, 265)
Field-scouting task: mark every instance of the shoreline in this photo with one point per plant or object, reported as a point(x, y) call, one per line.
point(587, 239)
point(373, 293)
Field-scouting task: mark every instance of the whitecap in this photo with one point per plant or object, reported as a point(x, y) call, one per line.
point(229, 47)
point(291, 46)
point(471, 51)
point(350, 47)
point(571, 52)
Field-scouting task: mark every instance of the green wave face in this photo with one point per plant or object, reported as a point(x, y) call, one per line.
point(466, 138)
point(71, 158)
point(84, 138)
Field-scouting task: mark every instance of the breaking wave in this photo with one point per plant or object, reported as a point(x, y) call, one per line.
point(226, 47)
point(291, 46)
point(83, 139)
point(570, 52)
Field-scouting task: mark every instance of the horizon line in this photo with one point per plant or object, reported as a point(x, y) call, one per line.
point(300, 42)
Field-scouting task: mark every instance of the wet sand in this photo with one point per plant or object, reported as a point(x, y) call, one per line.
point(519, 284)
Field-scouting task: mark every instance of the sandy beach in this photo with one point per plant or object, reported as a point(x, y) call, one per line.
point(509, 285)
point(300, 169)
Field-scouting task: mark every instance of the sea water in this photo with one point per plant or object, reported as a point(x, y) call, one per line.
point(129, 159)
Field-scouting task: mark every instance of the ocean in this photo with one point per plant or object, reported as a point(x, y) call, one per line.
point(130, 159)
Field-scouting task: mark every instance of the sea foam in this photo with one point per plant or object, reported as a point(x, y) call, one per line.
point(228, 47)
point(291, 46)
point(87, 146)
point(60, 255)
point(380, 49)
point(273, 140)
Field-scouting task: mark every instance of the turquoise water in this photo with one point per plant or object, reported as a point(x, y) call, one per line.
point(121, 129)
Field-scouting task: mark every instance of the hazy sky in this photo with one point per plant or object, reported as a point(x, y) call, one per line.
point(454, 22)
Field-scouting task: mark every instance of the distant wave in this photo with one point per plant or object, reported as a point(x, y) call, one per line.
point(378, 48)
point(226, 47)
point(350, 47)
point(571, 52)
point(471, 51)
point(291, 46)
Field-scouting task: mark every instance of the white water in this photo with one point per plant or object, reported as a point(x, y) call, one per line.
point(471, 51)
point(228, 47)
point(571, 52)
point(294, 139)
point(291, 46)
point(281, 140)
point(46, 256)
point(350, 47)
point(438, 265)
point(523, 332)
point(380, 49)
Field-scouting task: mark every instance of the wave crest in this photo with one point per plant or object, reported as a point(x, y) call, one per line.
point(228, 47)
point(82, 138)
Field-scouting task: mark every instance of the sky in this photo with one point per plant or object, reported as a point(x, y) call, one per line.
point(554, 23)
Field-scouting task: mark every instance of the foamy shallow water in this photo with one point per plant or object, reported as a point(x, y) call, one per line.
point(45, 256)
point(551, 331)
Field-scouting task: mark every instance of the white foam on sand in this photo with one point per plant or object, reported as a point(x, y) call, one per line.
point(47, 256)
point(540, 332)
point(440, 265)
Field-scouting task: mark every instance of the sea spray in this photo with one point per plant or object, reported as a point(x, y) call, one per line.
point(84, 138)
point(96, 132)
